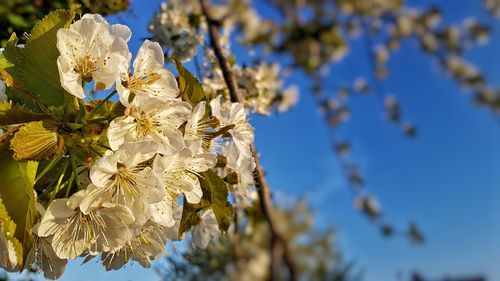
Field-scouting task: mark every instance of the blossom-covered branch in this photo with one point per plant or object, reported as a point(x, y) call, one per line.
point(111, 180)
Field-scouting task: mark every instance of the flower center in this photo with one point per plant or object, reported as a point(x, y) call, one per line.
point(81, 228)
point(144, 125)
point(125, 180)
point(85, 66)
point(139, 84)
point(128, 185)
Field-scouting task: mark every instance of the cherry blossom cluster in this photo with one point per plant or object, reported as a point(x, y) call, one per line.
point(261, 87)
point(129, 204)
point(178, 26)
point(183, 34)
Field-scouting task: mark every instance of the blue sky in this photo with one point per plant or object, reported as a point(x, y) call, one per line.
point(447, 180)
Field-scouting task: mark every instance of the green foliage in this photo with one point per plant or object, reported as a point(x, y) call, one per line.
point(215, 190)
point(15, 114)
point(214, 197)
point(37, 141)
point(18, 196)
point(31, 72)
point(11, 61)
point(189, 86)
point(4, 62)
point(40, 71)
point(189, 217)
point(12, 58)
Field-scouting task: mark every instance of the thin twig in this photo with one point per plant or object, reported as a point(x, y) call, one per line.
point(279, 245)
point(213, 30)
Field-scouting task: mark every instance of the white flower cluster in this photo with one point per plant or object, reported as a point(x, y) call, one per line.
point(261, 86)
point(178, 26)
point(158, 150)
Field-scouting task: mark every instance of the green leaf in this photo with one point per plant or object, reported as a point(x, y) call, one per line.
point(189, 217)
point(215, 191)
point(4, 62)
point(12, 61)
point(37, 141)
point(11, 115)
point(18, 196)
point(189, 86)
point(40, 72)
point(13, 58)
point(8, 228)
point(215, 197)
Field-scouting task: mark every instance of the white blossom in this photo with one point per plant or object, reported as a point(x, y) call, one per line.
point(119, 30)
point(91, 49)
point(149, 77)
point(186, 47)
point(243, 168)
point(144, 247)
point(213, 80)
point(180, 171)
point(173, 29)
point(197, 125)
point(43, 257)
point(233, 114)
point(162, 213)
point(205, 230)
point(368, 205)
point(150, 119)
point(122, 178)
point(102, 228)
point(172, 233)
point(289, 98)
point(262, 86)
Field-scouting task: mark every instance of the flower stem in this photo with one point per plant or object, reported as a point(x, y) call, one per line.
point(47, 168)
point(103, 101)
point(73, 166)
point(59, 181)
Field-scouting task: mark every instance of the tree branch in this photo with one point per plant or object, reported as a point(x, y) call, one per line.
point(279, 245)
point(213, 30)
point(278, 241)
